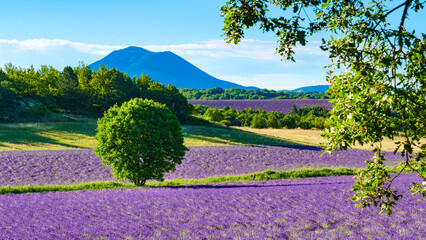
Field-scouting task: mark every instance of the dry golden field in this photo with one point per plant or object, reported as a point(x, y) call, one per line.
point(313, 137)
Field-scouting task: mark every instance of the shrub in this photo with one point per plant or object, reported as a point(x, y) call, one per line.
point(226, 123)
point(140, 140)
point(305, 124)
point(199, 121)
point(214, 115)
point(290, 121)
point(258, 121)
point(30, 111)
point(38, 111)
point(272, 120)
point(319, 122)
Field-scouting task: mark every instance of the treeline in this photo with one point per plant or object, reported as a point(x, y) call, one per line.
point(305, 118)
point(27, 94)
point(236, 93)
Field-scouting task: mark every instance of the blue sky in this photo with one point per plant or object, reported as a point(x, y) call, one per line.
point(60, 33)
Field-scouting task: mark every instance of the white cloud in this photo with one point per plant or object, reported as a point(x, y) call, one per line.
point(245, 63)
point(247, 48)
point(45, 45)
point(55, 52)
point(252, 49)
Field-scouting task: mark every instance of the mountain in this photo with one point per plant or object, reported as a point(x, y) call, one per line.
point(164, 67)
point(315, 88)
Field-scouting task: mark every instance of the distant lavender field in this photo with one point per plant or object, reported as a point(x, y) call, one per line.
point(74, 166)
point(310, 208)
point(270, 105)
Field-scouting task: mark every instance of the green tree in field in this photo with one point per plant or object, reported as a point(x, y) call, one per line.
point(259, 121)
point(273, 119)
point(169, 95)
point(68, 89)
point(140, 140)
point(25, 82)
point(290, 121)
point(214, 114)
point(109, 87)
point(293, 109)
point(377, 76)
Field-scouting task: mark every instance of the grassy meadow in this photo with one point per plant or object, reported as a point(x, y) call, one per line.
point(48, 135)
point(81, 134)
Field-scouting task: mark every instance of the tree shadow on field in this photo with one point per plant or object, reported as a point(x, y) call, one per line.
point(217, 134)
point(298, 147)
point(200, 138)
point(28, 137)
point(87, 127)
point(31, 134)
point(239, 185)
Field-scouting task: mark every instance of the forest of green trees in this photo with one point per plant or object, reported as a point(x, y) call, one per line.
point(27, 94)
point(304, 117)
point(236, 93)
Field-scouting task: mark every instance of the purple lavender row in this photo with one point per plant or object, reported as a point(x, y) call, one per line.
point(270, 105)
point(209, 161)
point(75, 166)
point(39, 167)
point(312, 208)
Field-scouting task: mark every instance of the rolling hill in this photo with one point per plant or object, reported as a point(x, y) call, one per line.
point(315, 88)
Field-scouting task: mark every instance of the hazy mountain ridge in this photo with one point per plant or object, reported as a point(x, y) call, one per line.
point(315, 88)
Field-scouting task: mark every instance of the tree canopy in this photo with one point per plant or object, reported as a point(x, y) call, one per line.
point(305, 117)
point(377, 77)
point(140, 140)
point(236, 93)
point(81, 90)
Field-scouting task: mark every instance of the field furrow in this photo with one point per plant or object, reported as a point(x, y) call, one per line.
point(310, 208)
point(38, 167)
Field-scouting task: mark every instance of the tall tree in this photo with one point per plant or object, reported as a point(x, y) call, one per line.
point(109, 87)
point(170, 96)
point(69, 80)
point(49, 86)
point(84, 75)
point(377, 77)
point(68, 89)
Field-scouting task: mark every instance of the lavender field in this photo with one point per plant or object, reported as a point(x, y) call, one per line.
point(270, 105)
point(310, 208)
point(38, 167)
point(304, 208)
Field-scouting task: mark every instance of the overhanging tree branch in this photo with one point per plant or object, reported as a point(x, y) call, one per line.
point(376, 61)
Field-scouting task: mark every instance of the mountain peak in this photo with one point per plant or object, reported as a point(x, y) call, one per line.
point(133, 50)
point(165, 67)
